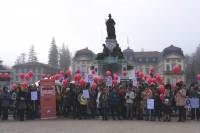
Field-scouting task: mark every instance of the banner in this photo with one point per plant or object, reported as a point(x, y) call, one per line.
point(47, 99)
point(86, 94)
point(150, 103)
point(108, 81)
point(194, 102)
point(34, 95)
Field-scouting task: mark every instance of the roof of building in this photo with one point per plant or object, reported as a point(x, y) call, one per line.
point(172, 50)
point(85, 52)
point(147, 56)
point(28, 64)
point(129, 54)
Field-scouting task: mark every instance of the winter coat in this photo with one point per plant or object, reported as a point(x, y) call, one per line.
point(180, 97)
point(104, 100)
point(113, 98)
point(6, 99)
point(130, 96)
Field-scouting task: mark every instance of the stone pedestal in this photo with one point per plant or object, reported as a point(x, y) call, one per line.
point(111, 43)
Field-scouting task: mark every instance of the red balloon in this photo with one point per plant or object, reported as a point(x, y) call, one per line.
point(198, 77)
point(14, 87)
point(141, 75)
point(137, 73)
point(82, 83)
point(77, 77)
point(65, 82)
point(115, 76)
point(68, 73)
point(176, 69)
point(22, 76)
point(152, 69)
point(30, 74)
point(26, 77)
point(78, 71)
point(108, 73)
point(62, 73)
point(57, 76)
point(100, 79)
point(124, 73)
point(147, 76)
point(162, 97)
point(24, 85)
point(161, 89)
point(94, 86)
point(93, 71)
point(114, 82)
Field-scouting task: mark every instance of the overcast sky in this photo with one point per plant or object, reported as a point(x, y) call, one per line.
point(148, 24)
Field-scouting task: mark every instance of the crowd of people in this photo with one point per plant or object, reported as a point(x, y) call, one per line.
point(122, 102)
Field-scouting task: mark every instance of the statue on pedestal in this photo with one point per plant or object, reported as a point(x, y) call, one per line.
point(110, 24)
point(117, 52)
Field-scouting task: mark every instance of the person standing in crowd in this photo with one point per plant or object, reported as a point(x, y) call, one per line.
point(130, 96)
point(21, 102)
point(92, 102)
point(14, 102)
point(67, 99)
point(122, 102)
point(114, 102)
point(6, 100)
point(197, 88)
point(180, 98)
point(157, 105)
point(146, 94)
point(104, 103)
point(83, 105)
point(168, 102)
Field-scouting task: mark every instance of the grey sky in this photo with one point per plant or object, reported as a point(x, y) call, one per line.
point(149, 24)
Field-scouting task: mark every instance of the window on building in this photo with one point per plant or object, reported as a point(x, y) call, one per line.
point(179, 60)
point(168, 67)
point(180, 66)
point(147, 59)
point(167, 60)
point(140, 59)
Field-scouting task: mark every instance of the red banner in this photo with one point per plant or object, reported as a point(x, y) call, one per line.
point(47, 99)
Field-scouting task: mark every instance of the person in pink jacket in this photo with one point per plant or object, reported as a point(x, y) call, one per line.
point(180, 98)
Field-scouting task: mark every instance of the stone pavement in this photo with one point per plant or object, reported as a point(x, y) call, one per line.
point(97, 126)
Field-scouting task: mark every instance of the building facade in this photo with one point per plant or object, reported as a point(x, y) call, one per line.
point(37, 68)
point(84, 60)
point(163, 62)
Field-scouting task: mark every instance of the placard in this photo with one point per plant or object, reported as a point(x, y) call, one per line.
point(90, 79)
point(86, 94)
point(150, 103)
point(194, 102)
point(108, 81)
point(34, 95)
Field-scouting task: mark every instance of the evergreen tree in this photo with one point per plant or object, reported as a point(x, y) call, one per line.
point(65, 57)
point(32, 55)
point(53, 54)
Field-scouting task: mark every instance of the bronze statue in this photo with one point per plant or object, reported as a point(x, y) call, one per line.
point(110, 24)
point(117, 52)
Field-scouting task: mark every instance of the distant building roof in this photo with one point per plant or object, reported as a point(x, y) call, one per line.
point(86, 53)
point(147, 56)
point(129, 54)
point(172, 50)
point(28, 64)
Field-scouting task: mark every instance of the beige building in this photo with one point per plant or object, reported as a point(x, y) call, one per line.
point(163, 62)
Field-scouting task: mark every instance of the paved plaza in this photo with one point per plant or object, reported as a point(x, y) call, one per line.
point(97, 126)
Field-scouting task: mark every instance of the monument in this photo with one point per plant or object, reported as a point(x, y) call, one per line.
point(111, 57)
